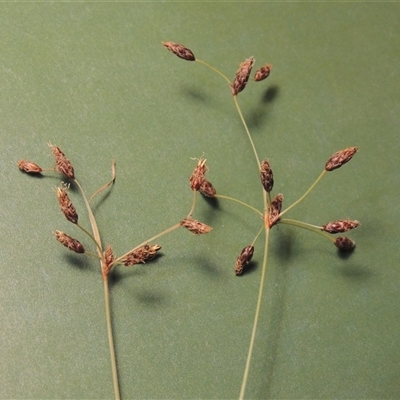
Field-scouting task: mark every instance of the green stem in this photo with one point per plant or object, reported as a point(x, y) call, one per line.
point(111, 339)
point(215, 70)
point(90, 235)
point(193, 203)
point(220, 196)
point(305, 194)
point(93, 223)
point(304, 225)
point(96, 235)
point(247, 131)
point(170, 229)
point(256, 317)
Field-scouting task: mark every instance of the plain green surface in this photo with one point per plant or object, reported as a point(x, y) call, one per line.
point(94, 79)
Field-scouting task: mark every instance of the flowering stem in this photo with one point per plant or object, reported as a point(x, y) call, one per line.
point(256, 317)
point(305, 194)
point(90, 235)
point(170, 229)
point(214, 69)
point(193, 204)
point(301, 224)
point(247, 131)
point(97, 239)
point(111, 339)
point(220, 196)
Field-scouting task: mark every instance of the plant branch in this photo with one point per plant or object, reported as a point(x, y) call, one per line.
point(256, 317)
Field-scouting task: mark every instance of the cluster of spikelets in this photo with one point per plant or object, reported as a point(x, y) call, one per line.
point(137, 255)
point(274, 212)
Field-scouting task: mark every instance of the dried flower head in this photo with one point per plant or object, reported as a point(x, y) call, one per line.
point(340, 226)
point(266, 175)
point(69, 242)
point(141, 255)
point(180, 50)
point(194, 226)
point(197, 177)
point(243, 260)
point(108, 260)
point(66, 205)
point(343, 243)
point(29, 167)
point(274, 210)
point(242, 76)
point(263, 73)
point(340, 157)
point(63, 165)
point(207, 189)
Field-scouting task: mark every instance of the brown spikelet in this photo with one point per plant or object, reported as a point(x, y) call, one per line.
point(243, 260)
point(69, 242)
point(197, 177)
point(340, 158)
point(108, 260)
point(340, 226)
point(63, 165)
point(207, 189)
point(242, 76)
point(66, 205)
point(141, 255)
point(180, 50)
point(194, 226)
point(29, 167)
point(263, 73)
point(343, 243)
point(274, 210)
point(266, 175)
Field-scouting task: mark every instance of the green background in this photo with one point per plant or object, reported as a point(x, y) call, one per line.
point(94, 79)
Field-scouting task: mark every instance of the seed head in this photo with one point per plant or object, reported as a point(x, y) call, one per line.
point(340, 157)
point(29, 167)
point(69, 242)
point(197, 177)
point(266, 175)
point(180, 50)
point(274, 210)
point(243, 260)
point(108, 260)
point(263, 73)
point(142, 254)
point(66, 205)
point(340, 226)
point(207, 189)
point(343, 243)
point(242, 76)
point(63, 165)
point(194, 226)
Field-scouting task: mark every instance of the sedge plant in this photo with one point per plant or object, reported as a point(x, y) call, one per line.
point(272, 213)
point(139, 254)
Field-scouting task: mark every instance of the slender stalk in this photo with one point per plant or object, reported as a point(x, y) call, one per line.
point(111, 339)
point(97, 237)
point(220, 196)
point(305, 194)
point(258, 234)
point(247, 131)
point(256, 317)
point(90, 235)
point(92, 220)
point(193, 203)
point(170, 229)
point(301, 224)
point(215, 70)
